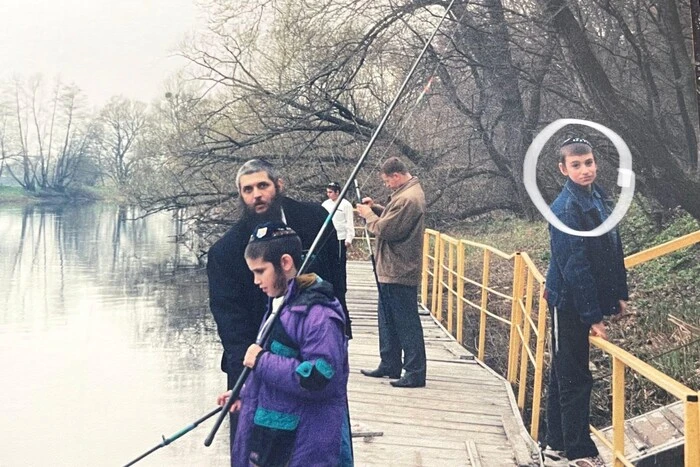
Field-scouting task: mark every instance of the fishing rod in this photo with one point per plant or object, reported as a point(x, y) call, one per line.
point(369, 242)
point(266, 328)
point(172, 438)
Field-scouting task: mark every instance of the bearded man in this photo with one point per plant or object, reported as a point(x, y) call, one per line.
point(237, 304)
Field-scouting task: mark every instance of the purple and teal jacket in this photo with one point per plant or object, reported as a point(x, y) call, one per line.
point(294, 403)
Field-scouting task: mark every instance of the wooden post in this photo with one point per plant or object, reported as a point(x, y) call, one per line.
point(539, 364)
point(460, 291)
point(618, 411)
point(485, 275)
point(513, 347)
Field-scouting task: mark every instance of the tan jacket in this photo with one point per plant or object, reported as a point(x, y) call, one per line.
point(399, 231)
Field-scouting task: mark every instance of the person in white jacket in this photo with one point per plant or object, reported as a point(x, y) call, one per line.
point(344, 224)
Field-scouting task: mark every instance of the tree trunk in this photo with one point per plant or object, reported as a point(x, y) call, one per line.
point(654, 158)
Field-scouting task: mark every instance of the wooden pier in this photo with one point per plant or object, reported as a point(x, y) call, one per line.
point(465, 416)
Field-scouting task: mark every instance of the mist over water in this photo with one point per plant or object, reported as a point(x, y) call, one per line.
point(106, 341)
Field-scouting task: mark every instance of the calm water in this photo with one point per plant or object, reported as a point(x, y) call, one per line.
point(106, 341)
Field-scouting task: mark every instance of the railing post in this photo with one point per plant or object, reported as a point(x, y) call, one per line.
point(424, 271)
point(460, 292)
point(485, 275)
point(539, 364)
point(618, 411)
point(451, 253)
point(513, 347)
point(522, 384)
point(692, 431)
point(436, 272)
point(441, 250)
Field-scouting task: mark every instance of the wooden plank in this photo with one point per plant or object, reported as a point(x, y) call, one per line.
point(463, 402)
point(473, 453)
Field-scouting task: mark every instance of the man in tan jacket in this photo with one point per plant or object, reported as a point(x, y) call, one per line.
point(399, 231)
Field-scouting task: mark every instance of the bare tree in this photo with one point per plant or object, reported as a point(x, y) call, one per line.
point(306, 87)
point(122, 122)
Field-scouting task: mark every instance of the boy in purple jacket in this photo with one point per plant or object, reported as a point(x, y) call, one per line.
point(293, 407)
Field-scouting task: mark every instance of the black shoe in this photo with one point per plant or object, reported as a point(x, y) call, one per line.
point(407, 382)
point(379, 373)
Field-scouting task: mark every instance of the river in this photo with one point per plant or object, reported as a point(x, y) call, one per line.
point(106, 341)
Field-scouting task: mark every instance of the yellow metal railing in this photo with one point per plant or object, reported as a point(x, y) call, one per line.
point(445, 261)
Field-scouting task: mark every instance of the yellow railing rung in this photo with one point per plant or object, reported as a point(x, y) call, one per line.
point(499, 294)
point(498, 318)
point(493, 250)
point(530, 355)
point(663, 249)
point(662, 380)
point(609, 445)
point(470, 303)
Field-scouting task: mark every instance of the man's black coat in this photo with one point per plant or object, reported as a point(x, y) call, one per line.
point(238, 305)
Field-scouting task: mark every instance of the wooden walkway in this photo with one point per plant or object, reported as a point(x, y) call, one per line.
point(465, 416)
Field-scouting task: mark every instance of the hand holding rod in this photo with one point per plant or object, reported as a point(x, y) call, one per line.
point(236, 391)
point(369, 242)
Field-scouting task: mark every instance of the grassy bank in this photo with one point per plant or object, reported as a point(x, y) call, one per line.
point(19, 196)
point(664, 301)
point(15, 195)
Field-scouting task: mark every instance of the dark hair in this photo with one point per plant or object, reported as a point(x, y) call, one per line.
point(574, 147)
point(271, 240)
point(258, 165)
point(335, 186)
point(393, 165)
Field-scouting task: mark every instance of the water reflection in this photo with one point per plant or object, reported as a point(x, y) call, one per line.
point(105, 340)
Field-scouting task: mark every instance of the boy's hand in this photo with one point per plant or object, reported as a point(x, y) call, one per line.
point(598, 330)
point(221, 401)
point(623, 313)
point(623, 308)
point(251, 355)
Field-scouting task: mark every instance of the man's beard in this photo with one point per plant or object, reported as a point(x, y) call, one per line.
point(273, 213)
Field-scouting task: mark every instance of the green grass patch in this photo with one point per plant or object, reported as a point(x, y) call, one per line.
point(15, 195)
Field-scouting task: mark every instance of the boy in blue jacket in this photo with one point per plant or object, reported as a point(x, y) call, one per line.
point(586, 281)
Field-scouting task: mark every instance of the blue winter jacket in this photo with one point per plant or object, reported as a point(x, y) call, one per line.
point(586, 274)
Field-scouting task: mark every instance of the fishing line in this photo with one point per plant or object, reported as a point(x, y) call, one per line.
point(408, 113)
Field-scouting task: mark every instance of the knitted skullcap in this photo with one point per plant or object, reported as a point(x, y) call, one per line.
point(270, 230)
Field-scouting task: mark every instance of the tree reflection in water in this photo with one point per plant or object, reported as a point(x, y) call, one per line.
point(106, 341)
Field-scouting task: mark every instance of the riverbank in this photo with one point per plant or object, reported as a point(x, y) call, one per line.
point(19, 196)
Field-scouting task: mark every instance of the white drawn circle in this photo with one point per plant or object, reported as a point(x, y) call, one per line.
point(625, 178)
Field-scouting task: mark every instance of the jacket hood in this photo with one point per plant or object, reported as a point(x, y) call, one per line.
point(307, 290)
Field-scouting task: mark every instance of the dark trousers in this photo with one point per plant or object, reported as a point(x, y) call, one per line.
point(343, 263)
point(233, 417)
point(570, 384)
point(400, 330)
point(343, 284)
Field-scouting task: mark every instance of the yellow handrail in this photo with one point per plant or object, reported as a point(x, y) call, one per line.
point(445, 261)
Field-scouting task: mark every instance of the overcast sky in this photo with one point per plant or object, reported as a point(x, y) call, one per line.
point(106, 47)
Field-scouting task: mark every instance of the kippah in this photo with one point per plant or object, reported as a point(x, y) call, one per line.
point(575, 140)
point(334, 185)
point(270, 230)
